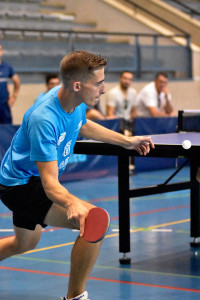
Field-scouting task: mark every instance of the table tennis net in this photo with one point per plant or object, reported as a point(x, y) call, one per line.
point(189, 120)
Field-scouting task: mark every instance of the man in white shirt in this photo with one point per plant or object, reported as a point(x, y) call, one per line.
point(121, 103)
point(121, 100)
point(154, 100)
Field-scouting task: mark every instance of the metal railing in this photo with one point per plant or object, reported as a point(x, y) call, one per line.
point(138, 52)
point(136, 5)
point(184, 7)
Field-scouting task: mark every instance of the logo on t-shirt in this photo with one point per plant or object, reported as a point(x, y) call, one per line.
point(63, 164)
point(66, 152)
point(67, 149)
point(79, 125)
point(61, 138)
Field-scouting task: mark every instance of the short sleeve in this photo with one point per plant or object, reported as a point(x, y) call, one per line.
point(149, 100)
point(42, 140)
point(11, 72)
point(84, 109)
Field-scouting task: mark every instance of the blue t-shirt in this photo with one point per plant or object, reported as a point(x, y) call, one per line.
point(47, 133)
point(6, 71)
point(39, 97)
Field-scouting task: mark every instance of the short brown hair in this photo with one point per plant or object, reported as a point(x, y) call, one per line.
point(125, 71)
point(79, 65)
point(161, 73)
point(50, 76)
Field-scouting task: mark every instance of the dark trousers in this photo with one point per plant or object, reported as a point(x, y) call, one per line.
point(5, 114)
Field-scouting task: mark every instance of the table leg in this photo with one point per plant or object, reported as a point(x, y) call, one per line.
point(195, 204)
point(124, 207)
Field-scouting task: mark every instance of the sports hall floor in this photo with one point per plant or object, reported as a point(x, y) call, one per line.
point(163, 264)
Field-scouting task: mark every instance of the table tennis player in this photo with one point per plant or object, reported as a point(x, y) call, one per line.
point(38, 155)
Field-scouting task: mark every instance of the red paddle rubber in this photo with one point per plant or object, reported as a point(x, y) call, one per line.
point(96, 225)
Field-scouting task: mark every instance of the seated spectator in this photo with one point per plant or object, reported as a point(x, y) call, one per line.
point(121, 100)
point(121, 103)
point(154, 100)
point(7, 97)
point(52, 80)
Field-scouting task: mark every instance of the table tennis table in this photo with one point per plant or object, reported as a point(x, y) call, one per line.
point(168, 146)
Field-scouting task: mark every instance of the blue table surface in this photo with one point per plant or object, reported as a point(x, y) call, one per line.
point(176, 138)
point(166, 138)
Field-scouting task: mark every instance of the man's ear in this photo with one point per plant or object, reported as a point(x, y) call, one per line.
point(76, 86)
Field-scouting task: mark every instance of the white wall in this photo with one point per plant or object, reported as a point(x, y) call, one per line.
point(186, 95)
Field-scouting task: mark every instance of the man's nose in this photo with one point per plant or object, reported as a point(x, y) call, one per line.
point(103, 88)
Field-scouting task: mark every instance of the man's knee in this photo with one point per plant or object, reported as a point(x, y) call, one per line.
point(26, 240)
point(24, 246)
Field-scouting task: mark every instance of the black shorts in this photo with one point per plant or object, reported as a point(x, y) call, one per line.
point(28, 203)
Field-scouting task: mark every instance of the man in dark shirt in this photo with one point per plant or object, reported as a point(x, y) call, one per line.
point(7, 99)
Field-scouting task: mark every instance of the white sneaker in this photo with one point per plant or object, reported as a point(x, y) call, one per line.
point(83, 296)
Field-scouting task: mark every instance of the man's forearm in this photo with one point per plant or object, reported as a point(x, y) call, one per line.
point(58, 194)
point(97, 132)
point(53, 189)
point(16, 87)
point(154, 112)
point(168, 108)
point(94, 131)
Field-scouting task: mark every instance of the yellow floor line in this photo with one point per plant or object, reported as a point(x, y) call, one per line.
point(111, 235)
point(50, 247)
point(168, 224)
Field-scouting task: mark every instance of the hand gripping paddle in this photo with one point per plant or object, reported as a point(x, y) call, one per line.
point(96, 225)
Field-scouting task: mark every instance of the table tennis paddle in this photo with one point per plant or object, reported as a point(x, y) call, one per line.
point(96, 225)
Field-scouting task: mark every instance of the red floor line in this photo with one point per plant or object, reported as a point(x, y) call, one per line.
point(104, 279)
point(155, 211)
point(6, 214)
point(33, 271)
point(103, 199)
point(132, 215)
point(44, 230)
point(52, 229)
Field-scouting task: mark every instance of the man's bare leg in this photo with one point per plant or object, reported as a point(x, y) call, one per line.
point(83, 257)
point(23, 241)
point(83, 254)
